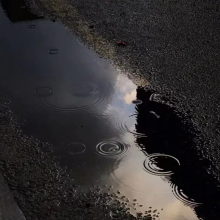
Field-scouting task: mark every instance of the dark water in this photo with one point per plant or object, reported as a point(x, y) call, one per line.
point(107, 131)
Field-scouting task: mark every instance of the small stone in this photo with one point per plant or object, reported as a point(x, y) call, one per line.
point(121, 43)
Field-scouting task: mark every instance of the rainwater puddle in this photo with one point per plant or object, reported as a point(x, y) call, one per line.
point(99, 121)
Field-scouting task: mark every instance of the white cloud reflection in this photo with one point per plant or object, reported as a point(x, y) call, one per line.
point(129, 176)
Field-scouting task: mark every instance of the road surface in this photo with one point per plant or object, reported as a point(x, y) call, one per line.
point(82, 139)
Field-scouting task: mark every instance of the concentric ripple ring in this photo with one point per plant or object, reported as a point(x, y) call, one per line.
point(178, 193)
point(125, 127)
point(82, 96)
point(85, 89)
point(75, 148)
point(112, 148)
point(43, 91)
point(150, 164)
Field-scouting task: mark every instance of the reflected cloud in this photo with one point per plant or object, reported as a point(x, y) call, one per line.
point(130, 97)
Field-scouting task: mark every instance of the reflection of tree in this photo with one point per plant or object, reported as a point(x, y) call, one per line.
point(16, 11)
point(167, 134)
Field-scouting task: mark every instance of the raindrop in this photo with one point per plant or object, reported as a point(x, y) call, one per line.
point(129, 125)
point(160, 164)
point(112, 148)
point(53, 51)
point(43, 91)
point(85, 89)
point(75, 148)
point(137, 102)
point(82, 96)
point(178, 193)
point(31, 26)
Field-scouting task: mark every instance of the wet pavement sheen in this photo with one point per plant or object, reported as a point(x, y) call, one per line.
point(102, 126)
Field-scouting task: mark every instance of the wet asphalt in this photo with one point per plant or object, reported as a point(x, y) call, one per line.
point(81, 139)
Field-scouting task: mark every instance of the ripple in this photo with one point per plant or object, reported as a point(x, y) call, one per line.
point(43, 91)
point(75, 148)
point(129, 125)
point(112, 148)
point(154, 163)
point(178, 193)
point(53, 51)
point(137, 102)
point(85, 89)
point(31, 26)
point(83, 96)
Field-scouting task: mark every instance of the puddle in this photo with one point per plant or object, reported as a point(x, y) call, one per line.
point(106, 130)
